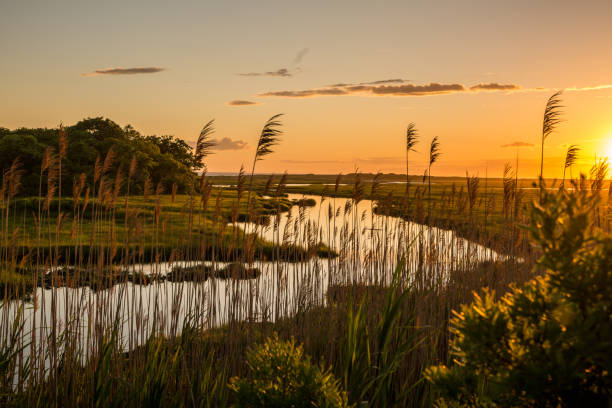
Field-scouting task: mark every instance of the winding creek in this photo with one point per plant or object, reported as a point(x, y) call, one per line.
point(369, 247)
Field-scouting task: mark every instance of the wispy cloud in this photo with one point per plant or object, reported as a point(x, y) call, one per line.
point(380, 82)
point(300, 55)
point(590, 88)
point(242, 103)
point(283, 72)
point(228, 144)
point(404, 87)
point(494, 86)
point(518, 144)
point(371, 88)
point(385, 81)
point(124, 71)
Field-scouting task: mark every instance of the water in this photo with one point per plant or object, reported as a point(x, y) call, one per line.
point(369, 248)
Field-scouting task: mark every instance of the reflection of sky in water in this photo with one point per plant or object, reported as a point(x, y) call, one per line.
point(280, 290)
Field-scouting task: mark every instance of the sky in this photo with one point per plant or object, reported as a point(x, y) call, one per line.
point(348, 75)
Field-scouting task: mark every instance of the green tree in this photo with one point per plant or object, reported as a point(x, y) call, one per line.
point(164, 159)
point(548, 342)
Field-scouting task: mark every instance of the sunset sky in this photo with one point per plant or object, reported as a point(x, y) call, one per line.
point(349, 76)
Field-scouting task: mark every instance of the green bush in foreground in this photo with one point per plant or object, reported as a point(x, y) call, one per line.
point(282, 376)
point(548, 343)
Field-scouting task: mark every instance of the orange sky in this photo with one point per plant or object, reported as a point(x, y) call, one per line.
point(169, 68)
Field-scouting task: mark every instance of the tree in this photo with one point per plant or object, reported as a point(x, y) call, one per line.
point(164, 159)
point(548, 342)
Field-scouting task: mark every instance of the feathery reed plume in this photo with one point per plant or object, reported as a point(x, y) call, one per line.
point(509, 190)
point(268, 185)
point(598, 174)
point(14, 178)
point(97, 169)
point(46, 159)
point(108, 160)
point(411, 141)
point(281, 185)
point(337, 183)
point(204, 144)
point(570, 158)
point(51, 179)
point(473, 185)
point(63, 144)
point(269, 137)
point(552, 117)
point(241, 183)
point(358, 188)
point(434, 154)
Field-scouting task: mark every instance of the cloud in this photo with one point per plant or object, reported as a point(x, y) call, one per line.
point(410, 89)
point(348, 89)
point(124, 71)
point(590, 88)
point(403, 87)
point(494, 86)
point(300, 55)
point(242, 103)
point(283, 72)
point(228, 144)
point(385, 81)
point(305, 93)
point(518, 144)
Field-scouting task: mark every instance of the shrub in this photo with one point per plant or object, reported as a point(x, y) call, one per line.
point(282, 376)
point(547, 343)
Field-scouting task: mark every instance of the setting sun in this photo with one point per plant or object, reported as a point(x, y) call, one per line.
point(608, 148)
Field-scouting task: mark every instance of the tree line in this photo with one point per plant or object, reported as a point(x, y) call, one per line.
point(162, 159)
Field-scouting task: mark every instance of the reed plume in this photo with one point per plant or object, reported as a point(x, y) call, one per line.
point(434, 154)
point(411, 141)
point(509, 190)
point(570, 158)
point(598, 174)
point(269, 137)
point(552, 117)
point(204, 144)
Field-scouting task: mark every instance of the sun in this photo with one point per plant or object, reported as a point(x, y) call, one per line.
point(608, 150)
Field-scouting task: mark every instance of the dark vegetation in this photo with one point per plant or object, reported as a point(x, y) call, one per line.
point(160, 159)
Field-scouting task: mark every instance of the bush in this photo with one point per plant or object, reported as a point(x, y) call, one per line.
point(549, 342)
point(282, 376)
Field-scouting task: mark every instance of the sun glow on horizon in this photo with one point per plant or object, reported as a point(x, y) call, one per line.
point(608, 150)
